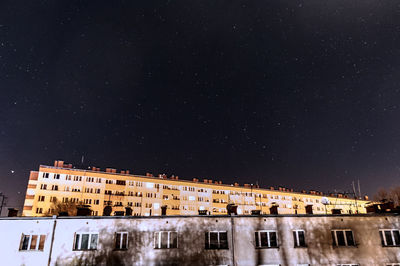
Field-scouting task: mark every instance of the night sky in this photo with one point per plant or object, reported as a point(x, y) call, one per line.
point(302, 94)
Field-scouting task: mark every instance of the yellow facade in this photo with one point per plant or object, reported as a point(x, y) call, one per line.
point(145, 195)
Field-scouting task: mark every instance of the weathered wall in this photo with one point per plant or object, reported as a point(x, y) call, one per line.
point(190, 251)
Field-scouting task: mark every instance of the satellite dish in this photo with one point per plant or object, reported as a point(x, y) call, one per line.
point(325, 200)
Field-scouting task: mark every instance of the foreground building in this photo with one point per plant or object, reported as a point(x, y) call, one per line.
point(162, 195)
point(286, 240)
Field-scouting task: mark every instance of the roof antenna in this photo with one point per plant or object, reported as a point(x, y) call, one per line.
point(359, 189)
point(83, 157)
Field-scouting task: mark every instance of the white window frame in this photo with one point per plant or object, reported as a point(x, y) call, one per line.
point(38, 237)
point(118, 246)
point(89, 240)
point(157, 239)
point(268, 239)
point(345, 240)
point(297, 240)
point(219, 240)
point(383, 237)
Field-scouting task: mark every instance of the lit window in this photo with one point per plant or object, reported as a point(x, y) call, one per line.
point(390, 237)
point(166, 239)
point(121, 240)
point(266, 239)
point(86, 241)
point(32, 242)
point(216, 240)
point(299, 238)
point(343, 238)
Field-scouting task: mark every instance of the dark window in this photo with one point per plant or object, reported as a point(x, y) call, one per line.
point(390, 237)
point(299, 238)
point(121, 240)
point(32, 242)
point(86, 241)
point(266, 239)
point(343, 238)
point(216, 240)
point(166, 239)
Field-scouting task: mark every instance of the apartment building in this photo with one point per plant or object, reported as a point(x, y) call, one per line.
point(162, 195)
point(279, 240)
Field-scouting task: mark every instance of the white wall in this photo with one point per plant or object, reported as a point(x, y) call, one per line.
point(191, 244)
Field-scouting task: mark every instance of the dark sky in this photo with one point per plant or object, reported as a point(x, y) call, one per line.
point(303, 94)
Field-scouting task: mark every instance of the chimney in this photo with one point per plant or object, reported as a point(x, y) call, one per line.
point(280, 188)
point(236, 184)
point(149, 175)
point(60, 163)
point(220, 182)
point(176, 177)
point(195, 180)
point(304, 192)
point(216, 182)
point(366, 197)
point(55, 163)
point(108, 170)
point(205, 180)
point(68, 165)
point(122, 172)
point(246, 185)
point(127, 172)
point(113, 170)
point(271, 188)
point(210, 181)
point(12, 212)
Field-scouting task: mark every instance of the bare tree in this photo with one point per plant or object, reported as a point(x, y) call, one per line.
point(388, 195)
point(58, 207)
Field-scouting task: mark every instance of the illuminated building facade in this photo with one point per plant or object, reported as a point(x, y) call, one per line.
point(162, 195)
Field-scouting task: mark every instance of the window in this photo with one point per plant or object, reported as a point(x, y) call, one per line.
point(350, 264)
point(343, 238)
point(43, 186)
point(56, 176)
point(41, 198)
point(166, 239)
point(32, 242)
point(266, 239)
point(216, 240)
point(45, 175)
point(299, 238)
point(121, 240)
point(39, 210)
point(96, 202)
point(390, 237)
point(54, 187)
point(121, 182)
point(85, 241)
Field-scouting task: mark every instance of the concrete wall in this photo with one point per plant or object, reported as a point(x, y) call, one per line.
point(191, 243)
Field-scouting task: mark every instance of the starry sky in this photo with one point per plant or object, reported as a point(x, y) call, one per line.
point(301, 94)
